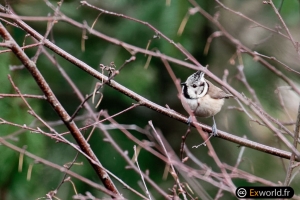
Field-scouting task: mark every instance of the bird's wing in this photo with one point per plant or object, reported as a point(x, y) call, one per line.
point(216, 93)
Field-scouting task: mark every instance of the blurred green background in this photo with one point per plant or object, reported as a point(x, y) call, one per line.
point(154, 83)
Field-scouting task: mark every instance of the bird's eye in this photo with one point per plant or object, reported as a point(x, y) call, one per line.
point(194, 85)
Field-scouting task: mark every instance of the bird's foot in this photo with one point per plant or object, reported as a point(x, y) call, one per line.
point(189, 121)
point(214, 130)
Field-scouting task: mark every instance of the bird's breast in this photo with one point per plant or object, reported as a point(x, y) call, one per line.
point(204, 106)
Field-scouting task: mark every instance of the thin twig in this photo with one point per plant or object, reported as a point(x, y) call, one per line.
point(182, 191)
point(144, 101)
point(275, 59)
point(285, 26)
point(203, 143)
point(43, 97)
point(243, 79)
point(68, 168)
point(58, 167)
point(58, 108)
point(137, 164)
point(251, 20)
point(239, 45)
point(292, 159)
point(183, 138)
point(125, 156)
point(63, 139)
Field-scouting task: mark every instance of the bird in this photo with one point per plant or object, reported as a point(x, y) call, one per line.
point(202, 98)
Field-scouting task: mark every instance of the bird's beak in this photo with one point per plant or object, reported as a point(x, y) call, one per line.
point(182, 83)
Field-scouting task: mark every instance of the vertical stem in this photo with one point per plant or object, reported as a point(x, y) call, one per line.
point(51, 98)
point(292, 158)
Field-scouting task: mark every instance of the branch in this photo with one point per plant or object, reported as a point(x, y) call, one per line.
point(55, 166)
point(290, 169)
point(145, 102)
point(173, 172)
point(258, 111)
point(285, 26)
point(31, 67)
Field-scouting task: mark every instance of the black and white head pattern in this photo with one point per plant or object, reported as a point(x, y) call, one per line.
point(195, 86)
